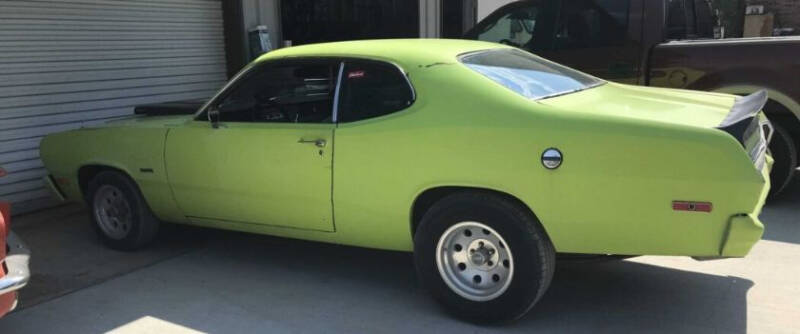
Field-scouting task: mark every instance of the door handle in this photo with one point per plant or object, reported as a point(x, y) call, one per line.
point(316, 142)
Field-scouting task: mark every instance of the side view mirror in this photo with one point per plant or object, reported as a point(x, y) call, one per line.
point(213, 116)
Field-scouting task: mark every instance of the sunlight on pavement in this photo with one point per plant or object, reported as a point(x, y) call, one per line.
point(152, 325)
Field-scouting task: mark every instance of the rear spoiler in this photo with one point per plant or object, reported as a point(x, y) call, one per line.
point(743, 113)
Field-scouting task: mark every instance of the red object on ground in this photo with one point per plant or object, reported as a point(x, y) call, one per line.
point(6, 300)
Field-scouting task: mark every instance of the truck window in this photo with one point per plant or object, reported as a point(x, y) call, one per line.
point(515, 27)
point(592, 24)
point(689, 19)
point(676, 20)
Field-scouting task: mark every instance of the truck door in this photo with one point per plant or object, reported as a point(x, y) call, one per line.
point(599, 37)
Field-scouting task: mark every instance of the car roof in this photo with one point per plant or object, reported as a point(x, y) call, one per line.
point(407, 52)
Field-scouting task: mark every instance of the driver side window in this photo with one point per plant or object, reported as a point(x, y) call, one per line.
point(283, 93)
point(514, 28)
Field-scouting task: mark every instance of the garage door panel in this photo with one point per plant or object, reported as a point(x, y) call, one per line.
point(28, 175)
point(20, 144)
point(56, 24)
point(128, 102)
point(18, 166)
point(83, 35)
point(68, 64)
point(54, 15)
point(30, 90)
point(66, 56)
point(71, 117)
point(100, 95)
point(123, 12)
point(19, 156)
point(39, 193)
point(75, 66)
point(117, 4)
point(211, 41)
point(110, 74)
point(22, 47)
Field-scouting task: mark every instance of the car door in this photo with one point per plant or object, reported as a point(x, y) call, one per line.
point(599, 37)
point(267, 157)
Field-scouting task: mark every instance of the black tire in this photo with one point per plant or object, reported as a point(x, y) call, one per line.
point(142, 225)
point(784, 152)
point(533, 255)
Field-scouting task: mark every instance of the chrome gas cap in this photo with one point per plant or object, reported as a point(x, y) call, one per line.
point(551, 158)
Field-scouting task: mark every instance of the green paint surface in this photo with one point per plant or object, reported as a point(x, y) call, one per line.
point(628, 153)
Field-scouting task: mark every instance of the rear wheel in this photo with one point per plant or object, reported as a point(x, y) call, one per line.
point(485, 258)
point(119, 213)
point(785, 154)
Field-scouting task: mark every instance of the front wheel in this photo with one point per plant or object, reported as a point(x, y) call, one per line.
point(120, 215)
point(485, 258)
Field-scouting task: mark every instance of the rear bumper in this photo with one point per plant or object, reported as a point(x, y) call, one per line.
point(18, 274)
point(744, 230)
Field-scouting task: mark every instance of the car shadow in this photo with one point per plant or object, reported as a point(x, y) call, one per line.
point(230, 282)
point(318, 282)
point(781, 216)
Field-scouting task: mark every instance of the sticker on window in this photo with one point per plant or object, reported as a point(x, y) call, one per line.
point(355, 74)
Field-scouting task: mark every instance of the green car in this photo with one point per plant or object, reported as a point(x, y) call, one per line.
point(482, 159)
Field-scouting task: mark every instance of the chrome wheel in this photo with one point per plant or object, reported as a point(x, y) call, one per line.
point(474, 261)
point(112, 212)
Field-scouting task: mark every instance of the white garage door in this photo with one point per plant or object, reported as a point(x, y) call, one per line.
point(67, 64)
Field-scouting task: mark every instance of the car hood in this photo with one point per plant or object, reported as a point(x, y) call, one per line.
point(684, 107)
point(149, 121)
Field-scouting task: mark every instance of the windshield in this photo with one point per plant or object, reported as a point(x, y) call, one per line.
point(528, 75)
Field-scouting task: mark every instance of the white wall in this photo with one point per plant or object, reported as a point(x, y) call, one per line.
point(486, 7)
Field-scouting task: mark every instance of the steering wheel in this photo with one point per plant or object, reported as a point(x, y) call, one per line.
point(266, 103)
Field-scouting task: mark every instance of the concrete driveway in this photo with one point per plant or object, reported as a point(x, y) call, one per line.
point(196, 280)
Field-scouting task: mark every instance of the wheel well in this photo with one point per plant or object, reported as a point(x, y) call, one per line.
point(778, 112)
point(429, 197)
point(88, 172)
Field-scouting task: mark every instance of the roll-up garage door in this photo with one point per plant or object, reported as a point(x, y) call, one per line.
point(65, 64)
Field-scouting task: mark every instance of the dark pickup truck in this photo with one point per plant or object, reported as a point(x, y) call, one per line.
point(665, 43)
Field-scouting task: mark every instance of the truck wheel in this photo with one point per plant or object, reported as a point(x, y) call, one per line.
point(785, 154)
point(484, 258)
point(119, 213)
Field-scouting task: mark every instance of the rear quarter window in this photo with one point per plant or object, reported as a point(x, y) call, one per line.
point(372, 89)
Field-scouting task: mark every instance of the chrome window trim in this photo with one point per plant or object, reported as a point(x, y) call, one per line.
point(336, 91)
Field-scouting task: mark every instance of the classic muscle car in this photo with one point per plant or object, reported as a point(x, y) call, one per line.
point(14, 272)
point(482, 159)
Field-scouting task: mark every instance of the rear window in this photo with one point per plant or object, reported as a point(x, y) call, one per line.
point(528, 75)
